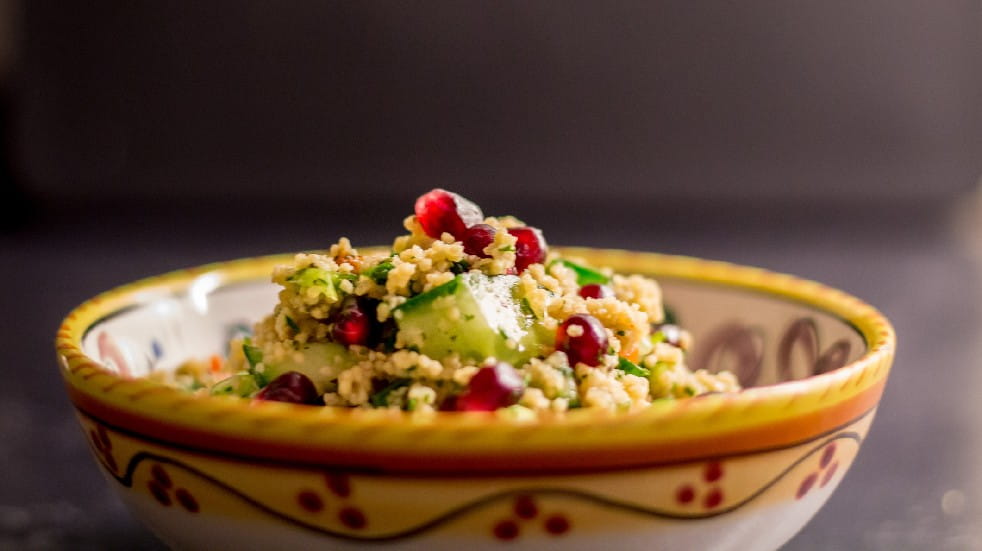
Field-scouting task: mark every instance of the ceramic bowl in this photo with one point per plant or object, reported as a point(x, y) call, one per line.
point(738, 471)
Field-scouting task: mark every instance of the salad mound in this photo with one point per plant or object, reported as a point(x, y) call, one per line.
point(464, 313)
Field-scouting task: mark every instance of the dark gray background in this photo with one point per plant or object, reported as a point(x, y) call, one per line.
point(838, 140)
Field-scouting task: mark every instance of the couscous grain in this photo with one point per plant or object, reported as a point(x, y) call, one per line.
point(465, 312)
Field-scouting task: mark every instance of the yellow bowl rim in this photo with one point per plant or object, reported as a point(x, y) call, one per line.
point(753, 419)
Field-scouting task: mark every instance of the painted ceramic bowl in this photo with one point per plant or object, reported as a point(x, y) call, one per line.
point(739, 471)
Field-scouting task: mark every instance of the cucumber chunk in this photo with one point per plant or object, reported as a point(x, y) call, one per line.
point(320, 362)
point(316, 278)
point(240, 384)
point(474, 315)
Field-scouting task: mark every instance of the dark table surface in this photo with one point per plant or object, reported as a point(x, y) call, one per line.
point(915, 484)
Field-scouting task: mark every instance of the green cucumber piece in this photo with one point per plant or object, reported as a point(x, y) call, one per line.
point(316, 278)
point(478, 317)
point(240, 384)
point(321, 362)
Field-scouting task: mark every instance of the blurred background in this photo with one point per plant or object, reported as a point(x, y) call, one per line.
point(837, 140)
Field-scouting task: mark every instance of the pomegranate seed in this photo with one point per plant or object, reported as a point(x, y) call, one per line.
point(448, 404)
point(492, 387)
point(530, 248)
point(291, 387)
point(585, 345)
point(440, 211)
point(596, 290)
point(352, 325)
point(476, 238)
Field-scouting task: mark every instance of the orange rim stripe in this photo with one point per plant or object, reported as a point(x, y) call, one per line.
point(786, 433)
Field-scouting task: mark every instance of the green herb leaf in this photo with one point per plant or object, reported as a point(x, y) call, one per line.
point(381, 398)
point(631, 368)
point(253, 355)
point(379, 273)
point(292, 324)
point(584, 275)
point(460, 267)
point(671, 318)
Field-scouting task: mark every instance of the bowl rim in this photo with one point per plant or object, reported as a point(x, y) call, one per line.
point(760, 418)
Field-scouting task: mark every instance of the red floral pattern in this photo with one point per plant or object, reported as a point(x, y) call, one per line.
point(160, 485)
point(526, 510)
point(703, 497)
point(339, 486)
point(712, 473)
point(827, 466)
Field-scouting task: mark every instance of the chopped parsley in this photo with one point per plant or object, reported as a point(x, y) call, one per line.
point(631, 368)
point(379, 273)
point(292, 324)
point(670, 318)
point(381, 398)
point(254, 355)
point(584, 275)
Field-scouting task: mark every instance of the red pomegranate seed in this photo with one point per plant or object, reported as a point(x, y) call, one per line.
point(291, 387)
point(476, 238)
point(530, 248)
point(587, 344)
point(596, 290)
point(441, 211)
point(352, 325)
point(492, 387)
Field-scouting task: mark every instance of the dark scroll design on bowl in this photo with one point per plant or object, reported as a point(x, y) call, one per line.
point(739, 347)
point(735, 347)
point(801, 337)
